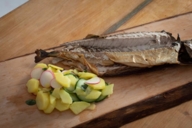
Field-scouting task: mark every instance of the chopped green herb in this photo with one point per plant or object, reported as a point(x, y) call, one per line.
point(84, 87)
point(44, 69)
point(106, 83)
point(51, 91)
point(30, 102)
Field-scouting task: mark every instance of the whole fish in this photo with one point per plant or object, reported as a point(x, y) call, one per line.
point(120, 53)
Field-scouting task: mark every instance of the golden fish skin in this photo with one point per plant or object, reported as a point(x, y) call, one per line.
point(119, 53)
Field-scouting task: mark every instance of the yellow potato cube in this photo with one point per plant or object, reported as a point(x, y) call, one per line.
point(86, 75)
point(65, 97)
point(67, 72)
point(33, 86)
point(55, 67)
point(40, 65)
point(42, 100)
point(108, 90)
point(55, 93)
point(92, 107)
point(45, 89)
point(94, 94)
point(62, 80)
point(61, 106)
point(51, 106)
point(100, 85)
point(73, 80)
point(52, 99)
point(79, 106)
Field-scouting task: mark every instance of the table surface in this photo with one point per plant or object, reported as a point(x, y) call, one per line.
point(46, 24)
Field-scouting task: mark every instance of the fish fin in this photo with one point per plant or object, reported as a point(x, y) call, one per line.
point(178, 38)
point(89, 36)
point(163, 31)
point(40, 55)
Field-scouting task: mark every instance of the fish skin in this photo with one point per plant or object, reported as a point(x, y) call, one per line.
point(120, 53)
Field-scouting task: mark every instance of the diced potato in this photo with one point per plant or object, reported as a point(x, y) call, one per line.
point(40, 65)
point(92, 107)
point(33, 86)
point(55, 93)
point(52, 69)
point(55, 67)
point(79, 106)
point(108, 90)
point(61, 106)
point(94, 94)
point(100, 85)
point(86, 75)
point(51, 105)
point(42, 100)
point(73, 80)
point(52, 99)
point(65, 97)
point(45, 89)
point(62, 80)
point(75, 71)
point(65, 72)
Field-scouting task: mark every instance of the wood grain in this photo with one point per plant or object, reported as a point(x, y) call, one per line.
point(127, 17)
point(175, 117)
point(179, 116)
point(178, 25)
point(142, 109)
point(134, 88)
point(158, 10)
point(42, 24)
point(45, 24)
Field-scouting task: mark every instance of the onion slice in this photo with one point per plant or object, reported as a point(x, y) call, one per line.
point(46, 78)
point(55, 84)
point(94, 80)
point(36, 73)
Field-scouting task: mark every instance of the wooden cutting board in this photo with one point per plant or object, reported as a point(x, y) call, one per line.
point(128, 90)
point(44, 29)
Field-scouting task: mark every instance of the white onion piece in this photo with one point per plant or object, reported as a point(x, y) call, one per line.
point(94, 80)
point(36, 73)
point(55, 84)
point(46, 78)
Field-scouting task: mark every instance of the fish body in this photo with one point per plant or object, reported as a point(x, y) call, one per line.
point(120, 53)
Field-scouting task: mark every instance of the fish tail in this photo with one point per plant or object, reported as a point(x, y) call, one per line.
point(40, 55)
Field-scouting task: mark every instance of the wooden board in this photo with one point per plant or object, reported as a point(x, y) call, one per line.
point(137, 87)
point(158, 10)
point(179, 25)
point(132, 88)
point(42, 24)
point(176, 117)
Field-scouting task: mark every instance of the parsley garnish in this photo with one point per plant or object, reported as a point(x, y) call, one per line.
point(84, 87)
point(44, 69)
point(30, 102)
